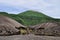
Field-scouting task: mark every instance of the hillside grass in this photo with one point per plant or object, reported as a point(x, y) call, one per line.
point(30, 17)
point(33, 17)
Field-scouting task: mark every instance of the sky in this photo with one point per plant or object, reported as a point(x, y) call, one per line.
point(48, 7)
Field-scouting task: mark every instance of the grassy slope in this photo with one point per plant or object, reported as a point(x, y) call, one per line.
point(30, 17)
point(33, 17)
point(13, 16)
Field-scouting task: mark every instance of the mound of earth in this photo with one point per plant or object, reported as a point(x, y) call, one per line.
point(8, 26)
point(48, 28)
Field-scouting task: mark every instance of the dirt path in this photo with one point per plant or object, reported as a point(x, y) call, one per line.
point(28, 37)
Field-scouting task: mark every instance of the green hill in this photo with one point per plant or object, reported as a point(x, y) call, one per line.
point(30, 17)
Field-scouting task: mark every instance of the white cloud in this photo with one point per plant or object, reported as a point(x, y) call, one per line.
point(49, 7)
point(25, 3)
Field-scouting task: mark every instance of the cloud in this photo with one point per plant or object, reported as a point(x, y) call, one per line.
point(49, 7)
point(26, 3)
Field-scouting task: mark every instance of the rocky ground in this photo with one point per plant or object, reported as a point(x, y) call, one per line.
point(28, 37)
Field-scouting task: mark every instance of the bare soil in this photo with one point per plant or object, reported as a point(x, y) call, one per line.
point(28, 37)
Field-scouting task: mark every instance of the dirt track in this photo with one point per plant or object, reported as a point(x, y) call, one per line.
point(28, 37)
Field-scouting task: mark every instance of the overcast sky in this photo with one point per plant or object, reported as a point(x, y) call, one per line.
point(48, 7)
